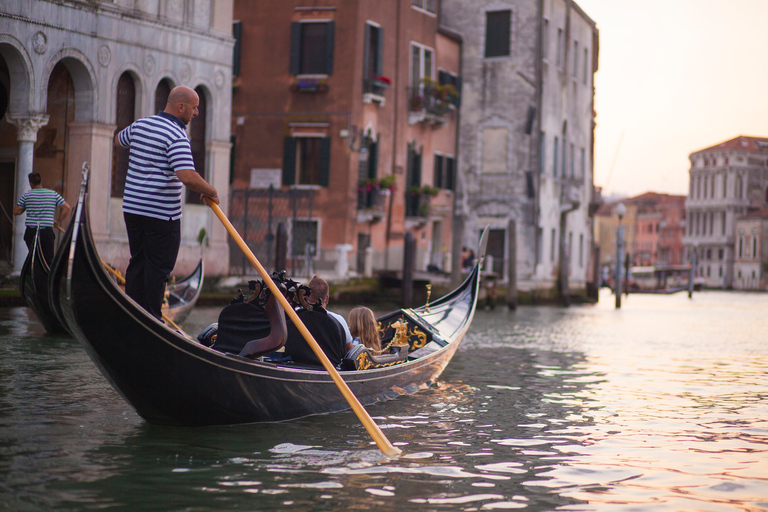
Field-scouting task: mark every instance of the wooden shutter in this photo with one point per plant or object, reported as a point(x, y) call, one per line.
point(289, 161)
point(450, 173)
point(497, 32)
point(325, 161)
point(329, 49)
point(380, 60)
point(438, 171)
point(373, 159)
point(366, 55)
point(295, 62)
point(237, 33)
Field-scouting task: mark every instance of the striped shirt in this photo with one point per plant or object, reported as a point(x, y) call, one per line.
point(40, 205)
point(159, 148)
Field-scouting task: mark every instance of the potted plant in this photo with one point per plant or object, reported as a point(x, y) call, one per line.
point(309, 85)
point(381, 81)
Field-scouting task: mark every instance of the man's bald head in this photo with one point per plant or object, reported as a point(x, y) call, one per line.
point(182, 103)
point(318, 290)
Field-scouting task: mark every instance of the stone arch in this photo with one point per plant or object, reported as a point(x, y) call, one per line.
point(21, 89)
point(153, 95)
point(210, 108)
point(138, 84)
point(84, 79)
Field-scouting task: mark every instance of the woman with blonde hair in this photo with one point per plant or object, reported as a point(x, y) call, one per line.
point(362, 326)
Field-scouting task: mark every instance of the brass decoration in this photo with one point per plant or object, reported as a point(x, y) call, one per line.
point(429, 292)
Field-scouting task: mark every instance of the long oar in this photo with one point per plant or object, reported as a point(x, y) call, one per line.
point(378, 436)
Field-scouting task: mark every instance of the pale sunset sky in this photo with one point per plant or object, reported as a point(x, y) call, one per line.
point(674, 77)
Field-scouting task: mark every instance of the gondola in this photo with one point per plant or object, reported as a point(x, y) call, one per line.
point(171, 379)
point(33, 285)
point(182, 295)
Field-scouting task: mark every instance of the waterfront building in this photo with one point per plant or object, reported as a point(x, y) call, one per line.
point(750, 261)
point(344, 125)
point(72, 73)
point(726, 181)
point(527, 136)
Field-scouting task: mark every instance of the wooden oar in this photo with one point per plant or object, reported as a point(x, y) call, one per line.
point(378, 436)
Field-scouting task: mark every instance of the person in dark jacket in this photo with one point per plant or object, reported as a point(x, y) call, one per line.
point(326, 330)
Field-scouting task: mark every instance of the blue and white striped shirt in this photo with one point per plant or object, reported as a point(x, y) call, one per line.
point(40, 205)
point(159, 148)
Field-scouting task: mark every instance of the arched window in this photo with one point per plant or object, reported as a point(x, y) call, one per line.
point(161, 94)
point(124, 115)
point(197, 129)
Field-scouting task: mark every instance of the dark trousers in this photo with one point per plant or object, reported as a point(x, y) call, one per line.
point(47, 242)
point(154, 245)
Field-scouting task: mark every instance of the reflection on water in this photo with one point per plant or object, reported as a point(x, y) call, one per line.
point(658, 406)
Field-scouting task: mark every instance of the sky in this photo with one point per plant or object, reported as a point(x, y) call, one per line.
point(674, 77)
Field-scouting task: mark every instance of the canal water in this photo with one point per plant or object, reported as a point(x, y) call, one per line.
point(659, 406)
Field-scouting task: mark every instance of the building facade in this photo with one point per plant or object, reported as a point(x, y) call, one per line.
point(347, 113)
point(74, 72)
point(750, 261)
point(526, 135)
point(726, 180)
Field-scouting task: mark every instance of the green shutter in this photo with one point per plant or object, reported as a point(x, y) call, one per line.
point(325, 161)
point(289, 161)
point(366, 56)
point(373, 159)
point(295, 62)
point(329, 50)
point(438, 171)
point(380, 61)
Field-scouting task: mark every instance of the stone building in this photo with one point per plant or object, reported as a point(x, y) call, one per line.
point(527, 134)
point(73, 72)
point(726, 180)
point(750, 260)
point(345, 127)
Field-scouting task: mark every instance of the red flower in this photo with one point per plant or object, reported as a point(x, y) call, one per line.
point(383, 79)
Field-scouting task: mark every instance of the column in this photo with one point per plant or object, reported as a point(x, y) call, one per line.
point(26, 129)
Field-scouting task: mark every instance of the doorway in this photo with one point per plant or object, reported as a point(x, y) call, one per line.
point(7, 189)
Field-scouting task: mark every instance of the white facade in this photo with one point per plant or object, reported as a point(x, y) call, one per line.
point(514, 107)
point(182, 42)
point(725, 181)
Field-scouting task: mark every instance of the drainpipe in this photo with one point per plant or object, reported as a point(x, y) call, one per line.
point(395, 116)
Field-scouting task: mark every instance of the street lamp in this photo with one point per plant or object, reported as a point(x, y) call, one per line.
point(621, 210)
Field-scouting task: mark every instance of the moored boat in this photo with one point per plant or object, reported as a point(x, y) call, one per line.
point(181, 296)
point(171, 379)
point(33, 285)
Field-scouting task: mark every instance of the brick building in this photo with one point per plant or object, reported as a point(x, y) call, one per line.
point(344, 131)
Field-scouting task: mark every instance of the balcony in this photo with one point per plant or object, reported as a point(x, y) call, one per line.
point(418, 205)
point(373, 89)
point(372, 195)
point(431, 102)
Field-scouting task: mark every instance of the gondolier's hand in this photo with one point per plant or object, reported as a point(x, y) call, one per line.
point(215, 198)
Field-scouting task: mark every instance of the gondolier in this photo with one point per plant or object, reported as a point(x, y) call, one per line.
point(41, 204)
point(160, 161)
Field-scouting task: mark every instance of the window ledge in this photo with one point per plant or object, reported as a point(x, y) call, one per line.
point(370, 97)
point(307, 187)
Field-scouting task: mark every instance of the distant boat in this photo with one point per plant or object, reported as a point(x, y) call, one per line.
point(33, 286)
point(171, 379)
point(182, 295)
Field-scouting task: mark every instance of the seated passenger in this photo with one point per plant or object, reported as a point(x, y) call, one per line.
point(324, 328)
point(362, 326)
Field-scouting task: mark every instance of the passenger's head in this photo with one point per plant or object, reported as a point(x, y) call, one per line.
point(35, 179)
point(362, 324)
point(318, 290)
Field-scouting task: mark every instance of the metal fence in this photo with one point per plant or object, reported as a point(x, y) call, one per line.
point(257, 213)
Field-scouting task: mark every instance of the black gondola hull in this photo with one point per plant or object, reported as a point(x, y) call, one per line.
point(33, 285)
point(172, 380)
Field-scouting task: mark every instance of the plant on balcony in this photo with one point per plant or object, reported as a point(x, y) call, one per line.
point(381, 81)
point(424, 190)
point(375, 184)
point(309, 85)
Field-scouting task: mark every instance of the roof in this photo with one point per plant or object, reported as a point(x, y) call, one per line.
point(741, 143)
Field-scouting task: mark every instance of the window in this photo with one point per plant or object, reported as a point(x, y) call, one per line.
point(306, 160)
point(421, 65)
point(425, 5)
point(575, 59)
point(754, 247)
point(237, 33)
point(125, 113)
point(552, 245)
point(583, 163)
point(559, 47)
point(554, 157)
point(373, 58)
point(545, 40)
point(741, 247)
point(720, 254)
point(311, 48)
point(573, 175)
point(444, 172)
point(584, 64)
point(581, 250)
point(415, 203)
point(438, 170)
point(542, 152)
point(722, 224)
point(197, 142)
point(497, 33)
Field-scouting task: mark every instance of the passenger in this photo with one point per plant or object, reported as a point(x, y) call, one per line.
point(362, 325)
point(326, 330)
